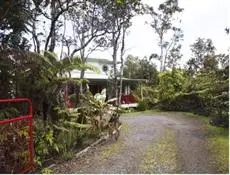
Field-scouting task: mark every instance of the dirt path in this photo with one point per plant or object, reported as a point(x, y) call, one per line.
point(149, 143)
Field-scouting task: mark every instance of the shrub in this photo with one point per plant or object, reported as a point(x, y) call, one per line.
point(61, 137)
point(170, 83)
point(186, 102)
point(149, 93)
point(142, 105)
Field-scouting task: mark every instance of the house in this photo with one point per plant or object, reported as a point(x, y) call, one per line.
point(99, 80)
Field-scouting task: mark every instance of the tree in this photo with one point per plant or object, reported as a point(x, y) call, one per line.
point(223, 60)
point(148, 71)
point(140, 69)
point(210, 63)
point(162, 24)
point(200, 49)
point(170, 83)
point(40, 77)
point(50, 12)
point(15, 16)
point(227, 30)
point(131, 66)
point(173, 54)
point(119, 14)
point(89, 26)
point(124, 29)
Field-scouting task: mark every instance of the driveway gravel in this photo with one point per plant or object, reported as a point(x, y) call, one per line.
point(149, 143)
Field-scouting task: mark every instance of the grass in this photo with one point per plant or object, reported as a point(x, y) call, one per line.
point(218, 144)
point(219, 147)
point(217, 139)
point(138, 113)
point(160, 157)
point(112, 149)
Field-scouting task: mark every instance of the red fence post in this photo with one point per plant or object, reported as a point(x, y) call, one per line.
point(23, 118)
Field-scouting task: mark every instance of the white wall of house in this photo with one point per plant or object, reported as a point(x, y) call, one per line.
point(99, 64)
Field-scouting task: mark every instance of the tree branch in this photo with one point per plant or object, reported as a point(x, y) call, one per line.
point(86, 43)
point(54, 20)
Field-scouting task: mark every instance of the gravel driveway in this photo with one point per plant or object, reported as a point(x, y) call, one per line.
point(149, 143)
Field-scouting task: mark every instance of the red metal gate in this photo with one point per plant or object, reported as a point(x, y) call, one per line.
point(16, 140)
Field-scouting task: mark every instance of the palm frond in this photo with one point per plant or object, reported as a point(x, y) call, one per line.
point(78, 125)
point(51, 56)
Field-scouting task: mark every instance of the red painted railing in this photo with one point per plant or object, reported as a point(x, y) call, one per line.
point(28, 119)
point(127, 99)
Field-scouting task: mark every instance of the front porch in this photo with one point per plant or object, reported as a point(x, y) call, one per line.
point(96, 85)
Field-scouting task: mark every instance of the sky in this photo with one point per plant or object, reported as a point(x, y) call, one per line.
point(200, 18)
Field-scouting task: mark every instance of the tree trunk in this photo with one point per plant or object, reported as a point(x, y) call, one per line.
point(82, 52)
point(53, 31)
point(115, 39)
point(161, 55)
point(122, 65)
point(35, 37)
point(115, 71)
point(82, 86)
point(63, 36)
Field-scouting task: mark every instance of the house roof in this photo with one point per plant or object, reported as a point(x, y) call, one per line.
point(102, 76)
point(132, 80)
point(100, 60)
point(124, 80)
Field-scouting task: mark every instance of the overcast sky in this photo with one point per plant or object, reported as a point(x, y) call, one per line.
point(200, 18)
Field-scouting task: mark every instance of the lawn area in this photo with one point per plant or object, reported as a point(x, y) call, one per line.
point(218, 144)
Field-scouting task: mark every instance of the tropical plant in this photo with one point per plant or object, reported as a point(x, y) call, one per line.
point(58, 138)
point(170, 83)
point(149, 93)
point(142, 105)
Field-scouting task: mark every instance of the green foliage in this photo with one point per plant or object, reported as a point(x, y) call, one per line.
point(188, 102)
point(142, 105)
point(170, 83)
point(46, 171)
point(162, 23)
point(206, 94)
point(67, 132)
point(8, 112)
point(136, 68)
point(14, 138)
point(218, 144)
point(149, 93)
point(42, 78)
point(59, 137)
point(15, 15)
point(202, 50)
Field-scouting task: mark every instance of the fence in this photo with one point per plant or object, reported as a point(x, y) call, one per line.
point(16, 136)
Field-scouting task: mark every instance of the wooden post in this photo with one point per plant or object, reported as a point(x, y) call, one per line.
point(141, 91)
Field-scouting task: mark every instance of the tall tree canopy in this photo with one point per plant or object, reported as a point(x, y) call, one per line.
point(15, 17)
point(203, 49)
point(135, 67)
point(163, 22)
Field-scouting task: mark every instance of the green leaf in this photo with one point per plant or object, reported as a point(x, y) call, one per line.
point(78, 125)
point(61, 128)
point(56, 147)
